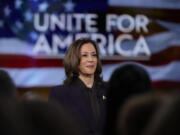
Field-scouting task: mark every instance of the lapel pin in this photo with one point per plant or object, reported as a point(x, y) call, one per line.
point(104, 97)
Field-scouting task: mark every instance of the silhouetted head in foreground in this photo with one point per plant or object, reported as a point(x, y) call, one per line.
point(7, 86)
point(48, 118)
point(166, 120)
point(126, 81)
point(136, 113)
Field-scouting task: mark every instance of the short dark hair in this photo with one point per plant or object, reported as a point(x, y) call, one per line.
point(72, 60)
point(127, 80)
point(130, 79)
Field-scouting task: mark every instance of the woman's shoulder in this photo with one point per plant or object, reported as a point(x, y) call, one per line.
point(59, 87)
point(103, 85)
point(63, 87)
point(59, 90)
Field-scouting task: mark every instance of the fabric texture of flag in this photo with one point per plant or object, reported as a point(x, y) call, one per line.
point(18, 38)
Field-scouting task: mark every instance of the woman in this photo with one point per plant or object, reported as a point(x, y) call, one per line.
point(83, 90)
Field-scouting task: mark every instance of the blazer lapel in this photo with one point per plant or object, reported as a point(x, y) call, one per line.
point(102, 104)
point(81, 105)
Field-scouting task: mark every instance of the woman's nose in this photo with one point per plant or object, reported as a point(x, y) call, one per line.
point(90, 58)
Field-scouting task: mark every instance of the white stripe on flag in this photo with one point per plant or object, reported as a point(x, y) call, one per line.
point(32, 77)
point(15, 46)
point(168, 72)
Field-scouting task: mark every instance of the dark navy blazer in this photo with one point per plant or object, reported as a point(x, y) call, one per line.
point(75, 101)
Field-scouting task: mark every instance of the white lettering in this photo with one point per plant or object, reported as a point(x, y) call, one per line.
point(55, 21)
point(44, 26)
point(79, 18)
point(141, 22)
point(141, 47)
point(42, 46)
point(125, 23)
point(110, 22)
point(57, 42)
point(101, 40)
point(118, 44)
point(90, 22)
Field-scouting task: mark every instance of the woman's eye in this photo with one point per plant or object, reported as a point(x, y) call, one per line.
point(94, 55)
point(84, 55)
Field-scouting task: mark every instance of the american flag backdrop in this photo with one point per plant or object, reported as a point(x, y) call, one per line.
point(145, 32)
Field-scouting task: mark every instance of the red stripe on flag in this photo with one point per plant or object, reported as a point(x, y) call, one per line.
point(166, 84)
point(23, 61)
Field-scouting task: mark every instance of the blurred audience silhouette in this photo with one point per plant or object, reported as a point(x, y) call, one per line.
point(127, 80)
point(133, 108)
point(12, 118)
point(136, 113)
point(48, 118)
point(7, 86)
point(32, 115)
point(166, 120)
point(30, 95)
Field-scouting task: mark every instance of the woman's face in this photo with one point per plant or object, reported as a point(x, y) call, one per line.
point(88, 59)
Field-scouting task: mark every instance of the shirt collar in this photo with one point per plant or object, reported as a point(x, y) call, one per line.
point(79, 83)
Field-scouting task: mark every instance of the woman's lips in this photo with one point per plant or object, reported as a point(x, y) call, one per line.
point(90, 66)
